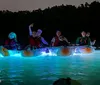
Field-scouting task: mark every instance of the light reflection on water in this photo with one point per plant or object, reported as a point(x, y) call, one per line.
point(45, 70)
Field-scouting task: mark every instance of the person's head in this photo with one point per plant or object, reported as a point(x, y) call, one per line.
point(58, 33)
point(39, 32)
point(34, 34)
point(12, 35)
point(88, 34)
point(83, 33)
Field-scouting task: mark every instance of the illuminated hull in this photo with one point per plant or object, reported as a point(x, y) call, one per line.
point(49, 51)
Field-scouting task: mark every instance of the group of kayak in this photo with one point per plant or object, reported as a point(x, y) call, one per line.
point(37, 41)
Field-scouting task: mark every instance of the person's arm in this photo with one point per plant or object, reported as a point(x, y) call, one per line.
point(66, 40)
point(30, 30)
point(53, 41)
point(44, 41)
point(93, 43)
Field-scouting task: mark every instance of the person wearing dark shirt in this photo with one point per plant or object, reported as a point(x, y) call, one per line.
point(59, 40)
point(83, 40)
point(35, 40)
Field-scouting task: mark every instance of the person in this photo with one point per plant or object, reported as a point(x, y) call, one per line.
point(36, 40)
point(94, 40)
point(66, 81)
point(12, 43)
point(43, 42)
point(33, 43)
point(59, 40)
point(83, 40)
point(63, 41)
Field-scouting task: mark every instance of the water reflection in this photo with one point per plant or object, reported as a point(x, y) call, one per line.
point(45, 70)
point(10, 70)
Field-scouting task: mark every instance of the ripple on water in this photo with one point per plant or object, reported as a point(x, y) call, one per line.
point(45, 70)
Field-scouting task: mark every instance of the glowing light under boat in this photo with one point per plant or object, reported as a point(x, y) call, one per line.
point(1, 55)
point(48, 54)
point(77, 53)
point(15, 53)
point(82, 54)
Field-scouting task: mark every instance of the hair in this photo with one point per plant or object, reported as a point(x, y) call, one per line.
point(82, 31)
point(88, 32)
point(58, 30)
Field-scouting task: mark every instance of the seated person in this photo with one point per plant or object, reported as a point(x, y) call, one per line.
point(43, 42)
point(34, 43)
point(93, 41)
point(59, 40)
point(84, 40)
point(35, 40)
point(11, 43)
point(63, 41)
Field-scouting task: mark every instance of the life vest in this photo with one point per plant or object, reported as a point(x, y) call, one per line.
point(83, 41)
point(34, 41)
point(10, 42)
point(56, 43)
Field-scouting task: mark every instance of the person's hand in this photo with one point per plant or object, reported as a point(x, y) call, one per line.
point(53, 39)
point(31, 25)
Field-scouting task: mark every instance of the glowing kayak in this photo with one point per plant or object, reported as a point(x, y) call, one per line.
point(82, 50)
point(48, 51)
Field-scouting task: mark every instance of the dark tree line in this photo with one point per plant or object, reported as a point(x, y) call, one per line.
point(69, 19)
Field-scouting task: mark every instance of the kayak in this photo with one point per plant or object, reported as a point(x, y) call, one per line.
point(48, 51)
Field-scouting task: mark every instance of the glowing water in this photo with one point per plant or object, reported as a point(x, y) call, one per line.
point(44, 70)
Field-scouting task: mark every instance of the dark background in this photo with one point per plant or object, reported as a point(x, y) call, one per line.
point(69, 19)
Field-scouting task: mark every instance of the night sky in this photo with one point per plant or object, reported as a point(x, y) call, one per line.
point(16, 5)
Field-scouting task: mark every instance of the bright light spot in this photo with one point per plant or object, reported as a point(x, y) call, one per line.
point(48, 54)
point(77, 54)
point(1, 55)
point(17, 55)
point(14, 53)
point(81, 54)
